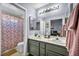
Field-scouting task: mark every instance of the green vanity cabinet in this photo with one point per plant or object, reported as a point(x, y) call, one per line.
point(55, 50)
point(39, 48)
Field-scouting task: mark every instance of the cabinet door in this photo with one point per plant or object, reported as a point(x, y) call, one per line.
point(49, 53)
point(42, 52)
point(42, 49)
point(59, 49)
point(42, 45)
point(34, 47)
point(34, 50)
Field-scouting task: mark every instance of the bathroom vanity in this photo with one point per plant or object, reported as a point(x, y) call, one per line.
point(46, 47)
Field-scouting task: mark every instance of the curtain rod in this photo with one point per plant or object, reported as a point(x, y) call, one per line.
point(18, 6)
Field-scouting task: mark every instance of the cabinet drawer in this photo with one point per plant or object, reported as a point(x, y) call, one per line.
point(42, 52)
point(32, 42)
point(49, 53)
point(42, 45)
point(58, 49)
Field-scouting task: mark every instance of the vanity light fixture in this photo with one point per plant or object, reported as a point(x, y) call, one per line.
point(49, 9)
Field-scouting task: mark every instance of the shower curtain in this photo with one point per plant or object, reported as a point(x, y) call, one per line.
point(12, 31)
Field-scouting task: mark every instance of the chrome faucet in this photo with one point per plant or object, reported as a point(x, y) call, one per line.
point(57, 38)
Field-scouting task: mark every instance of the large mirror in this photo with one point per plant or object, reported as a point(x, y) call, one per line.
point(55, 27)
point(34, 24)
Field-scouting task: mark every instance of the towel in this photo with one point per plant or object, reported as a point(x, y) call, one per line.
point(72, 33)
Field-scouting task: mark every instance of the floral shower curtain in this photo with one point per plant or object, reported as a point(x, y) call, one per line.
point(12, 31)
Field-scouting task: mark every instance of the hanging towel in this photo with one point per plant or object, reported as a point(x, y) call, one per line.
point(72, 33)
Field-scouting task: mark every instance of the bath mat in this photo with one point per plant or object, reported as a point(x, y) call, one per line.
point(9, 53)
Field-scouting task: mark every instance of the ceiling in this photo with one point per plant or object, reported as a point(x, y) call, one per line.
point(33, 5)
point(11, 9)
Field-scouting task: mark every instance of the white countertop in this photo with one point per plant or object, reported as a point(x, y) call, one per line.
point(52, 40)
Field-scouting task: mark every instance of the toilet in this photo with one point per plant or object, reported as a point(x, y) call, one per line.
point(20, 47)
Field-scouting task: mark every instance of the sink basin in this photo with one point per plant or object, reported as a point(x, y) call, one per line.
point(58, 40)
